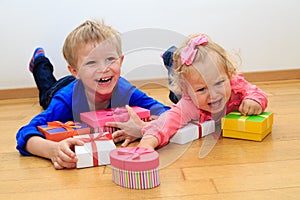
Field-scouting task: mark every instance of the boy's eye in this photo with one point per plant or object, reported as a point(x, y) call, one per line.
point(90, 63)
point(110, 60)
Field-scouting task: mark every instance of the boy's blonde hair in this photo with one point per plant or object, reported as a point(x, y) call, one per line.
point(180, 70)
point(89, 33)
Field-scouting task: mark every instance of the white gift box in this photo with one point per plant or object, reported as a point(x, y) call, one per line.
point(95, 151)
point(193, 131)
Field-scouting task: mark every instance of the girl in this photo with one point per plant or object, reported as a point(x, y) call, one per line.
point(210, 87)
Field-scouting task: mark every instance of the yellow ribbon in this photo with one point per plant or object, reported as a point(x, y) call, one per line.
point(243, 118)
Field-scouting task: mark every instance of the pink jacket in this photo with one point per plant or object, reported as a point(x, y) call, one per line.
point(185, 110)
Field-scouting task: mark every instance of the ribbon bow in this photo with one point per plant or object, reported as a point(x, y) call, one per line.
point(189, 52)
point(92, 140)
point(136, 152)
point(69, 126)
point(120, 114)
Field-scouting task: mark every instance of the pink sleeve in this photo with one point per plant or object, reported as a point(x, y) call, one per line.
point(169, 122)
point(249, 91)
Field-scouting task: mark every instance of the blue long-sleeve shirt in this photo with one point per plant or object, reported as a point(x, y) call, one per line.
point(70, 101)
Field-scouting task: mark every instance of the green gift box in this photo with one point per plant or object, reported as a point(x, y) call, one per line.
point(254, 127)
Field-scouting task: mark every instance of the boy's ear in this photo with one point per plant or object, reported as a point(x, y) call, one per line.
point(121, 59)
point(73, 71)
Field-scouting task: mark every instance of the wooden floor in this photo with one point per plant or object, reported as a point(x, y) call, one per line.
point(234, 169)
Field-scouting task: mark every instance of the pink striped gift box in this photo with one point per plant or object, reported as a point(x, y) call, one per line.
point(135, 167)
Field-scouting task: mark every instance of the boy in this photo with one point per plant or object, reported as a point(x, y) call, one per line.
point(94, 56)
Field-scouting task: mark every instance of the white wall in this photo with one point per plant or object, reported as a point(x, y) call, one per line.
point(265, 32)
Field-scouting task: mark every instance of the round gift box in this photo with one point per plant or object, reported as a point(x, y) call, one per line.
point(135, 168)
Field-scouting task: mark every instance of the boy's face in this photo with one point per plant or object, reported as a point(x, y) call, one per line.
point(99, 69)
point(209, 85)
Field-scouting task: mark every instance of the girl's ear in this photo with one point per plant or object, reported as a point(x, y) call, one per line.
point(73, 71)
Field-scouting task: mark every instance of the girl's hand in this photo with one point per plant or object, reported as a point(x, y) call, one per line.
point(62, 155)
point(250, 107)
point(148, 142)
point(130, 130)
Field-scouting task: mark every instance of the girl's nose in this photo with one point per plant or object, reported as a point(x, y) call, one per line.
point(213, 93)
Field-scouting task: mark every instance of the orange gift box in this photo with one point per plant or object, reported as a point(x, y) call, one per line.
point(58, 131)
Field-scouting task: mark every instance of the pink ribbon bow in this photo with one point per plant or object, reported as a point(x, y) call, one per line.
point(136, 152)
point(189, 52)
point(120, 114)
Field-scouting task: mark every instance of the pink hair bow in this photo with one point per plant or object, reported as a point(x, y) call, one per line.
point(189, 52)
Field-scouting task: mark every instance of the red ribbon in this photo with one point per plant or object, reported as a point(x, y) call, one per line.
point(92, 140)
point(199, 128)
point(135, 152)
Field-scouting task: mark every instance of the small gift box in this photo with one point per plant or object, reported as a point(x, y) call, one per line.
point(58, 131)
point(135, 167)
point(192, 131)
point(97, 119)
point(95, 151)
point(255, 127)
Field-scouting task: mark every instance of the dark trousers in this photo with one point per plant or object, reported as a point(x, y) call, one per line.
point(46, 82)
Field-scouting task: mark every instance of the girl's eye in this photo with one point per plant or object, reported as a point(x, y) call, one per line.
point(201, 90)
point(220, 83)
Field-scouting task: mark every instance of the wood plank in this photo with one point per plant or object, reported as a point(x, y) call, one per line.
point(234, 169)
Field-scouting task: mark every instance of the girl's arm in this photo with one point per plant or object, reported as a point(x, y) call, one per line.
point(254, 100)
point(169, 122)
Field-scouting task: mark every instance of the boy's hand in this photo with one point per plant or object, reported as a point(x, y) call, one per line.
point(250, 107)
point(130, 130)
point(62, 155)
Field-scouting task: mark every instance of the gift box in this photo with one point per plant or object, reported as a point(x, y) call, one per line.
point(193, 131)
point(95, 151)
point(58, 131)
point(255, 127)
point(135, 167)
point(97, 119)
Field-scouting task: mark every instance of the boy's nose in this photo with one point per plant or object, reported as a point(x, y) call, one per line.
point(102, 68)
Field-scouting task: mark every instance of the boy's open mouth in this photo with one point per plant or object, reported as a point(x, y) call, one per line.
point(104, 80)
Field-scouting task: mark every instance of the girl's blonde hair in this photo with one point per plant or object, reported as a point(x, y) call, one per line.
point(180, 70)
point(89, 33)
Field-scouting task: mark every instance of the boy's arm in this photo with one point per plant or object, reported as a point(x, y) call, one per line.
point(139, 98)
point(57, 110)
point(60, 153)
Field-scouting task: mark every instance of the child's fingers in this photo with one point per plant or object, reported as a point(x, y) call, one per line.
point(242, 109)
point(113, 124)
point(118, 136)
point(60, 164)
point(125, 143)
point(57, 166)
point(66, 152)
point(131, 112)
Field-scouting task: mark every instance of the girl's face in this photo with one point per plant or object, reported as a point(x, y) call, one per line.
point(99, 69)
point(209, 85)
